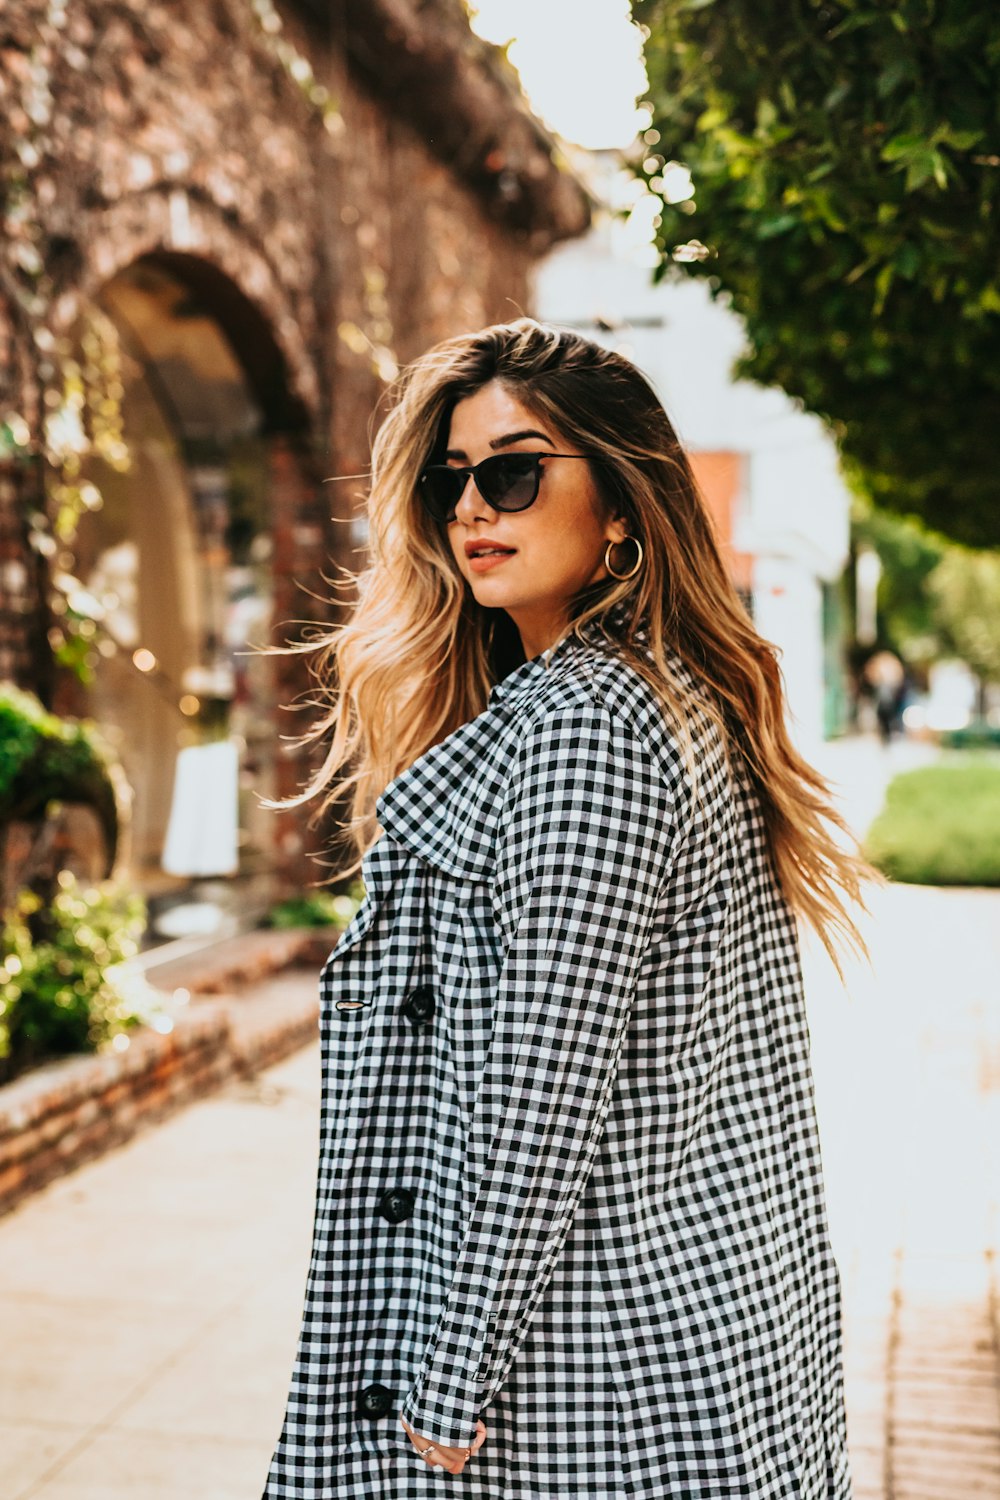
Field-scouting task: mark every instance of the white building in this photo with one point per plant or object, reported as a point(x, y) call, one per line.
point(768, 469)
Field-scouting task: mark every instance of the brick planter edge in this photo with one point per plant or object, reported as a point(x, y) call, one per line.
point(71, 1110)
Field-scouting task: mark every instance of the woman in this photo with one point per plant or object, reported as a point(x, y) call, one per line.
point(570, 1235)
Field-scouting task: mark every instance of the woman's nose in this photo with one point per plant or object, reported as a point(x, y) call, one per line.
point(470, 504)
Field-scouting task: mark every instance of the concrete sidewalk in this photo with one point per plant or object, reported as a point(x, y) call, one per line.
point(151, 1302)
point(907, 1067)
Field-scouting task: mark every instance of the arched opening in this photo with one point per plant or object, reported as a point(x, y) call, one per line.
point(178, 560)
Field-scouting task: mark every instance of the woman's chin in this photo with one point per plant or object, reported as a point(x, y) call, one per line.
point(492, 591)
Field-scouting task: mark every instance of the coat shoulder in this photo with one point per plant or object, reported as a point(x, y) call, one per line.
point(447, 807)
point(604, 678)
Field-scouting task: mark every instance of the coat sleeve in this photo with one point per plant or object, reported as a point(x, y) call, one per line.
point(586, 833)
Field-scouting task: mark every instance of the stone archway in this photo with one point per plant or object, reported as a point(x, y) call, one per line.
point(192, 557)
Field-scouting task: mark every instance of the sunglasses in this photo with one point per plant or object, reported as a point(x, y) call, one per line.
point(507, 481)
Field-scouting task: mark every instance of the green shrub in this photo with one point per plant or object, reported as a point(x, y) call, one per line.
point(45, 759)
point(317, 909)
point(940, 825)
point(58, 991)
point(975, 735)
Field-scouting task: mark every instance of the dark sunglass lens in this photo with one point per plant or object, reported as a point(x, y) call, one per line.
point(509, 481)
point(441, 488)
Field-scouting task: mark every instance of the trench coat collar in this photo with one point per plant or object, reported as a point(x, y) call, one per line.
point(446, 806)
point(527, 674)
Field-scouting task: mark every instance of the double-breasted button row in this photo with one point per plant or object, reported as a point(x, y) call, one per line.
point(396, 1205)
point(418, 1006)
point(374, 1401)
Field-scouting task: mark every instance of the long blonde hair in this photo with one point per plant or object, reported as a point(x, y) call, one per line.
point(418, 656)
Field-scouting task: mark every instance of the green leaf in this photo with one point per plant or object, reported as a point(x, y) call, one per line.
point(860, 270)
point(710, 119)
point(838, 94)
point(787, 96)
point(854, 23)
point(768, 228)
point(883, 282)
point(906, 148)
point(823, 203)
point(898, 72)
point(767, 115)
point(938, 230)
point(907, 260)
point(823, 170)
point(959, 140)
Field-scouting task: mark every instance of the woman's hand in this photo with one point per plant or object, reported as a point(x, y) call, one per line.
point(440, 1457)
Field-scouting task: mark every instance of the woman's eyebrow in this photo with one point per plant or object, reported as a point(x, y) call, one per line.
point(501, 442)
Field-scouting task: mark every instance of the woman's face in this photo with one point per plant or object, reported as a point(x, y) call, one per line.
point(558, 543)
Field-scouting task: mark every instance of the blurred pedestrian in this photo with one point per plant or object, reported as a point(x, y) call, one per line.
point(570, 1232)
point(886, 677)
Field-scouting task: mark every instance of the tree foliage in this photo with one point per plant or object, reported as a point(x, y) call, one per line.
point(845, 160)
point(965, 588)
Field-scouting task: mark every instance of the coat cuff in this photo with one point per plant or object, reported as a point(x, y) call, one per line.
point(450, 1423)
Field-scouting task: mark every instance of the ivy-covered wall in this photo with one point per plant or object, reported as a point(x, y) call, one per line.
point(247, 148)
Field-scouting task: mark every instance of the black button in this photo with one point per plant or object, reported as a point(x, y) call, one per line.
point(419, 1006)
point(396, 1205)
point(375, 1401)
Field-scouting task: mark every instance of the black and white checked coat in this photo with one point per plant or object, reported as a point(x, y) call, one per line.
point(569, 1172)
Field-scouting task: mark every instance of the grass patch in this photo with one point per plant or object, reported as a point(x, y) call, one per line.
point(941, 824)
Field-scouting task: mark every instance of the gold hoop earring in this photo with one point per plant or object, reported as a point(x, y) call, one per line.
point(638, 561)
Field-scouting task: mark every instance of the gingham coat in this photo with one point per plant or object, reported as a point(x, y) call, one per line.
point(569, 1171)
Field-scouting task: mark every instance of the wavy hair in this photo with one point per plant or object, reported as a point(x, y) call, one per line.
point(418, 656)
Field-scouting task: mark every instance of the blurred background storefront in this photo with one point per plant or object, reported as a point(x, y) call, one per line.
point(178, 561)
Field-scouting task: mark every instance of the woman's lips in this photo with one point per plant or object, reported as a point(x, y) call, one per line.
point(482, 562)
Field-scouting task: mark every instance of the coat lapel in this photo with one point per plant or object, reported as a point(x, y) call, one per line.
point(445, 807)
point(380, 868)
